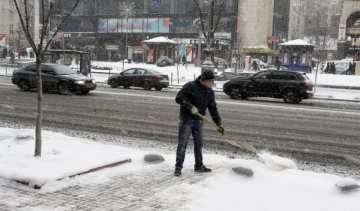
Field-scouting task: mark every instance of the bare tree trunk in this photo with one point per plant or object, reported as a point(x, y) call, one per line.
point(212, 25)
point(38, 139)
point(24, 10)
point(211, 30)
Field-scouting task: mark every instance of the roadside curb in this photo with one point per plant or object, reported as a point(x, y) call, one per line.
point(339, 87)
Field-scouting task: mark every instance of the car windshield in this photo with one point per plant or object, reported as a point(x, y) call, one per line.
point(63, 70)
point(154, 72)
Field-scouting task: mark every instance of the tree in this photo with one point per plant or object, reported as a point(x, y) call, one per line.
point(212, 24)
point(26, 15)
point(127, 10)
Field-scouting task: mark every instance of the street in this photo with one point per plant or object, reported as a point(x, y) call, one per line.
point(313, 131)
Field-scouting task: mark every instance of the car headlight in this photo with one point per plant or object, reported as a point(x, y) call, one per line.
point(93, 80)
point(79, 82)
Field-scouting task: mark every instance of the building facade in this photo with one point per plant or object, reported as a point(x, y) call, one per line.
point(11, 30)
point(101, 26)
point(263, 24)
point(349, 30)
point(254, 22)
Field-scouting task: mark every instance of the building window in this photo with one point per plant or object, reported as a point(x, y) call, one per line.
point(11, 29)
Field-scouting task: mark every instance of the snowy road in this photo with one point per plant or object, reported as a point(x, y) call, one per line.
point(313, 131)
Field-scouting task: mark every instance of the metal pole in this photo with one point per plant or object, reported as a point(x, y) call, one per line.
point(199, 49)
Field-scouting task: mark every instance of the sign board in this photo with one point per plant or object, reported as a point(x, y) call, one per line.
point(111, 47)
point(342, 31)
point(2, 39)
point(130, 52)
point(272, 38)
point(138, 49)
point(330, 56)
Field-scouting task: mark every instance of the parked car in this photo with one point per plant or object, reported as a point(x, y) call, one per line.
point(139, 77)
point(164, 61)
point(220, 62)
point(55, 77)
point(291, 86)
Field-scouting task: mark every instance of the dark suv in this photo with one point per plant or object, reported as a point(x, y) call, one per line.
point(291, 86)
point(55, 77)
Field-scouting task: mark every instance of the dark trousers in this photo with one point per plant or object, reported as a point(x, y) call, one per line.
point(195, 128)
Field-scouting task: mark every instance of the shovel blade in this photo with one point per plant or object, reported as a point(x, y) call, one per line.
point(242, 145)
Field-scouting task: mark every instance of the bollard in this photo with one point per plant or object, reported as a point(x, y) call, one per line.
point(171, 79)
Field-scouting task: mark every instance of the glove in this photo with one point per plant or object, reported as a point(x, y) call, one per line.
point(221, 129)
point(194, 110)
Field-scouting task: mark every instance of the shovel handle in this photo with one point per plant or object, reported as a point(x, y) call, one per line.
point(231, 140)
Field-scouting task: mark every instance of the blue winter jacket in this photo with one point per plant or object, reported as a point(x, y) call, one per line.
point(194, 93)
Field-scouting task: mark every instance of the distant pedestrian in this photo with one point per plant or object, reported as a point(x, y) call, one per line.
point(327, 68)
point(12, 57)
point(277, 63)
point(313, 64)
point(254, 66)
point(194, 98)
point(332, 68)
point(4, 53)
point(183, 59)
point(233, 62)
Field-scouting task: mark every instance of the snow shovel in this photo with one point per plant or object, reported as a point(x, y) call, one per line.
point(271, 161)
point(231, 140)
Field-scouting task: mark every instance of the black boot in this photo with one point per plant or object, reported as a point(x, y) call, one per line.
point(202, 169)
point(177, 171)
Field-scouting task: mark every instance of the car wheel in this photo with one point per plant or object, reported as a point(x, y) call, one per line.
point(234, 93)
point(85, 92)
point(147, 86)
point(291, 96)
point(24, 85)
point(64, 88)
point(158, 88)
point(113, 83)
point(243, 96)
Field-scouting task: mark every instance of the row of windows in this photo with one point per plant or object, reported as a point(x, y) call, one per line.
point(112, 7)
point(176, 25)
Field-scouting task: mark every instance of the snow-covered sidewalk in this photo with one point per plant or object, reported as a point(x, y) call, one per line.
point(267, 189)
